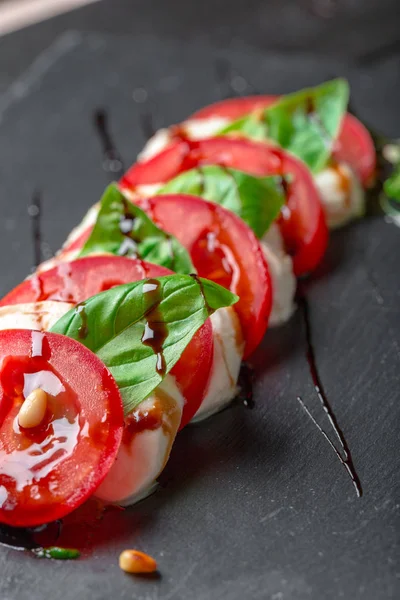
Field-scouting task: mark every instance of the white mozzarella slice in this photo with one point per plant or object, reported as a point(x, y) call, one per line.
point(200, 129)
point(194, 129)
point(33, 315)
point(144, 191)
point(149, 434)
point(283, 279)
point(342, 195)
point(158, 142)
point(228, 352)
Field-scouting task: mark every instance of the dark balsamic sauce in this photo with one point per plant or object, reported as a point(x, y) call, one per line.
point(246, 380)
point(284, 185)
point(345, 455)
point(35, 213)
point(147, 125)
point(156, 330)
point(87, 527)
point(112, 161)
point(202, 181)
point(200, 284)
point(83, 330)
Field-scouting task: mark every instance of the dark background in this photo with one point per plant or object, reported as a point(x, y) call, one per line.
point(253, 504)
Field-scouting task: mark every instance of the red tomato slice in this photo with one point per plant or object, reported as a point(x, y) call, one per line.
point(78, 280)
point(354, 145)
point(302, 222)
point(234, 108)
point(49, 470)
point(223, 249)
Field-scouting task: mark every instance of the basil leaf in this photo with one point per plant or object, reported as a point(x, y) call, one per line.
point(257, 200)
point(251, 126)
point(139, 330)
point(123, 228)
point(306, 123)
point(392, 184)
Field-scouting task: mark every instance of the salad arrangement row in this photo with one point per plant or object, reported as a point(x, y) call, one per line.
point(139, 325)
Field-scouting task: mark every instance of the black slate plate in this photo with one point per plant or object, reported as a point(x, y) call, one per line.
point(253, 504)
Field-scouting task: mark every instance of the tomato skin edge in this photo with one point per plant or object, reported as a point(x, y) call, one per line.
point(107, 452)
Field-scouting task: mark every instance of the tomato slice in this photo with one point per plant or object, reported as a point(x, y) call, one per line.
point(234, 108)
point(302, 222)
point(223, 249)
point(79, 279)
point(354, 145)
point(82, 278)
point(48, 470)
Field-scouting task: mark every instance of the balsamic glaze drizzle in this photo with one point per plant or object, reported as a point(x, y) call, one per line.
point(83, 330)
point(345, 455)
point(200, 284)
point(246, 379)
point(112, 161)
point(156, 330)
point(147, 125)
point(35, 213)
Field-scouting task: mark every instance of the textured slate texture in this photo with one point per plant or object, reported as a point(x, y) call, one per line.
point(253, 504)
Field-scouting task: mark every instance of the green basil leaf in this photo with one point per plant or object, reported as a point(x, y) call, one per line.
point(123, 228)
point(306, 123)
point(251, 126)
point(167, 311)
point(392, 185)
point(257, 200)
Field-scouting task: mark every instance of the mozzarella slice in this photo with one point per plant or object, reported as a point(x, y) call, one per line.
point(283, 279)
point(33, 315)
point(149, 433)
point(193, 129)
point(342, 194)
point(228, 352)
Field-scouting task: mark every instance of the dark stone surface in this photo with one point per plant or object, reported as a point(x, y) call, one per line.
point(253, 504)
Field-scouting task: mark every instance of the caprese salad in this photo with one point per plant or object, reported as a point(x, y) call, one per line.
point(139, 325)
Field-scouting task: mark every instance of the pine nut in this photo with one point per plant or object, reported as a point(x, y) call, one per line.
point(134, 561)
point(33, 410)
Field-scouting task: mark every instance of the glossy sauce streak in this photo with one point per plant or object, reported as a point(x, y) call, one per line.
point(83, 330)
point(345, 455)
point(202, 182)
point(35, 213)
point(112, 161)
point(246, 378)
point(37, 343)
point(156, 330)
point(200, 284)
point(284, 185)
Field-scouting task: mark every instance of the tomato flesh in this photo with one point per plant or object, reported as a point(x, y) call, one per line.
point(354, 145)
point(302, 222)
point(82, 278)
point(223, 249)
point(49, 470)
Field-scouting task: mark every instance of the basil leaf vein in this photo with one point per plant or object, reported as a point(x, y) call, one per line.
point(112, 325)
